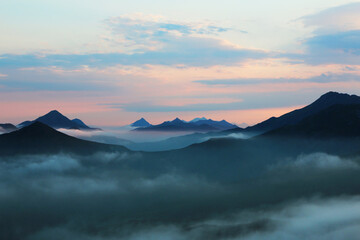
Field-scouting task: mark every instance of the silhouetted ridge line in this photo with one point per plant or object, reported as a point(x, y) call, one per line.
point(327, 100)
point(39, 138)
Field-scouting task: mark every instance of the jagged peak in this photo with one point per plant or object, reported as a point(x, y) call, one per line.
point(37, 127)
point(333, 96)
point(53, 112)
point(177, 120)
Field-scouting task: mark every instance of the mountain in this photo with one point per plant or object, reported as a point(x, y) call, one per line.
point(141, 123)
point(79, 123)
point(198, 119)
point(55, 119)
point(222, 125)
point(327, 100)
point(7, 127)
point(180, 125)
point(324, 102)
point(337, 121)
point(39, 138)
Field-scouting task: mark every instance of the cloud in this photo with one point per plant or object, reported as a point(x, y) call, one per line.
point(338, 48)
point(52, 79)
point(189, 51)
point(323, 78)
point(128, 196)
point(149, 40)
point(244, 101)
point(148, 107)
point(340, 18)
point(148, 32)
point(335, 37)
point(347, 42)
point(317, 219)
point(319, 161)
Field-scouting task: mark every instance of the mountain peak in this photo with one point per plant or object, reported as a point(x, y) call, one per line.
point(54, 112)
point(141, 123)
point(55, 119)
point(36, 129)
point(333, 94)
point(177, 120)
point(331, 98)
point(325, 101)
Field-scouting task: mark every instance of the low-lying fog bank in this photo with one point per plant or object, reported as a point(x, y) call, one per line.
point(106, 196)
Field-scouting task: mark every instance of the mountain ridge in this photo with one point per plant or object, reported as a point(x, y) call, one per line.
point(57, 120)
point(178, 125)
point(197, 124)
point(39, 138)
point(324, 101)
point(339, 120)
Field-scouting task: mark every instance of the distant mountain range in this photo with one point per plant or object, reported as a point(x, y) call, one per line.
point(56, 120)
point(197, 124)
point(333, 115)
point(326, 101)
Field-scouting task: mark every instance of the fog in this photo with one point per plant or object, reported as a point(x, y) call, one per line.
point(123, 135)
point(321, 161)
point(149, 141)
point(112, 196)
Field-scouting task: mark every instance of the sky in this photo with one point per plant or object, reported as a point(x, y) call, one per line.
point(112, 62)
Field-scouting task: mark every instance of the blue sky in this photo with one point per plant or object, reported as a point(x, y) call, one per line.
point(160, 59)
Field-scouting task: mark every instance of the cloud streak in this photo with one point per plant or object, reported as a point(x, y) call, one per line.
point(335, 37)
point(149, 31)
point(324, 78)
point(147, 39)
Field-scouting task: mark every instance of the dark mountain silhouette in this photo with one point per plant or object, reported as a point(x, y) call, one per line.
point(39, 138)
point(141, 123)
point(7, 127)
point(180, 125)
point(55, 119)
point(337, 121)
point(327, 100)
